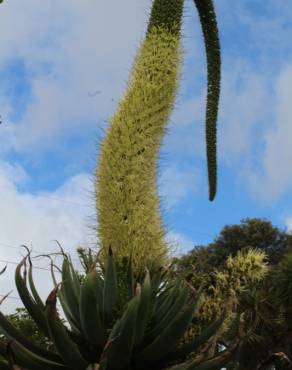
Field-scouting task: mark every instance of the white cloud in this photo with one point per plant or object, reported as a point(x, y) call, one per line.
point(274, 176)
point(243, 110)
point(179, 243)
point(38, 219)
point(68, 49)
point(176, 184)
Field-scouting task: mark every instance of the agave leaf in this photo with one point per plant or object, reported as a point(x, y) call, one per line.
point(31, 361)
point(198, 341)
point(35, 310)
point(14, 334)
point(169, 300)
point(161, 297)
point(69, 283)
point(69, 316)
point(130, 278)
point(75, 325)
point(33, 289)
point(167, 340)
point(90, 319)
point(123, 337)
point(99, 294)
point(211, 37)
point(68, 296)
point(172, 312)
point(75, 280)
point(156, 280)
point(143, 310)
point(3, 270)
point(62, 341)
point(110, 295)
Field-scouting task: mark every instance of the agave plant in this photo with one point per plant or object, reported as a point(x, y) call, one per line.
point(112, 320)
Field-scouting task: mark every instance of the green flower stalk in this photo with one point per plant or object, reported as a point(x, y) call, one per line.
point(211, 36)
point(126, 191)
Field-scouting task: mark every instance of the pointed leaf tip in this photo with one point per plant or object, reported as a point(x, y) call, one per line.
point(3, 270)
point(52, 300)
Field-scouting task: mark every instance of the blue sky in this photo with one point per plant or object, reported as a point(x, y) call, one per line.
point(63, 67)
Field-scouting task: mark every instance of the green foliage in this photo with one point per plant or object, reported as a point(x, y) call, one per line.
point(239, 274)
point(266, 304)
point(103, 328)
point(283, 277)
point(251, 233)
point(281, 294)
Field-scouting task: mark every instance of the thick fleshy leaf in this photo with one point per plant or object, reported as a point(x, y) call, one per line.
point(167, 303)
point(166, 341)
point(130, 279)
point(68, 296)
point(123, 337)
point(177, 306)
point(62, 341)
point(15, 335)
point(35, 310)
point(91, 321)
point(198, 341)
point(31, 361)
point(33, 289)
point(143, 310)
point(110, 295)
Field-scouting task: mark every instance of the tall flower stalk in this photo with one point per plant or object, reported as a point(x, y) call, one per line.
point(208, 21)
point(126, 188)
point(127, 199)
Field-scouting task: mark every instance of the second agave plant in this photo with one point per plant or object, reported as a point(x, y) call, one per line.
point(112, 321)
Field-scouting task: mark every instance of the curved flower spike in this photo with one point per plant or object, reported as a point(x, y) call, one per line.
point(212, 44)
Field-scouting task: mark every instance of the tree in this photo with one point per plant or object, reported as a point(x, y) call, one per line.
point(251, 233)
point(281, 280)
point(267, 305)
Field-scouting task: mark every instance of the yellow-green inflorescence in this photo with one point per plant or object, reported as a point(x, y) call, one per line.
point(126, 187)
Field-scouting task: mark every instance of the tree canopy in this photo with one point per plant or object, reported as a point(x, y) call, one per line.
point(266, 303)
